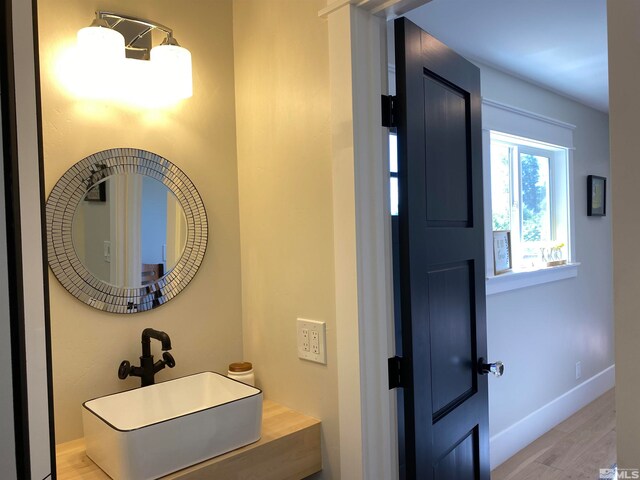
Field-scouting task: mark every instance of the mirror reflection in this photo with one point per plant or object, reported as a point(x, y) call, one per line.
point(129, 230)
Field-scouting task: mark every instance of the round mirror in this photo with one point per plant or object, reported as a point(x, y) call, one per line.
point(126, 230)
point(133, 243)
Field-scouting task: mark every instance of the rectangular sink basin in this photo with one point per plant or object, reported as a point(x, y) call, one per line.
point(149, 432)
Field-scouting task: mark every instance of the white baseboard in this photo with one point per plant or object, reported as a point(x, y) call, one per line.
point(514, 438)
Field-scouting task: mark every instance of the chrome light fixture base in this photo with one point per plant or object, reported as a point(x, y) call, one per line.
point(137, 32)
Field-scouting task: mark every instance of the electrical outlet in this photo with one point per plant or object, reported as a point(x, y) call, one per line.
point(305, 339)
point(312, 340)
point(315, 342)
point(578, 370)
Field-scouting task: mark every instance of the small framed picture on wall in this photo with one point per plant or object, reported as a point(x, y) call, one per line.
point(97, 193)
point(501, 252)
point(596, 196)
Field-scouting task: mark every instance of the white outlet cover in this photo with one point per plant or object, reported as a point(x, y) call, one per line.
point(314, 328)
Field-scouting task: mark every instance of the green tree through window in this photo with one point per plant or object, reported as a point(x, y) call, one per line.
point(501, 186)
point(535, 198)
point(530, 198)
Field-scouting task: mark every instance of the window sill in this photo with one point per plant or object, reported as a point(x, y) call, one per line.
point(515, 280)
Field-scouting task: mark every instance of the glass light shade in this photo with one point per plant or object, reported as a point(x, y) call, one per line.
point(101, 53)
point(100, 43)
point(172, 64)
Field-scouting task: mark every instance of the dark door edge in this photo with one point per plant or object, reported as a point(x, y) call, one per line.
point(43, 230)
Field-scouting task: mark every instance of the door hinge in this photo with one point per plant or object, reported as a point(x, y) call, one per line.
point(396, 373)
point(389, 111)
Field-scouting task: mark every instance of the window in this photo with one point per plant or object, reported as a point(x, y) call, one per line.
point(528, 161)
point(393, 172)
point(529, 198)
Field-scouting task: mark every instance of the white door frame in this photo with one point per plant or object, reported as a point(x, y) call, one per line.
point(362, 234)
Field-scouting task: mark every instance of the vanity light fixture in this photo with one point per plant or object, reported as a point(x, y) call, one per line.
point(118, 61)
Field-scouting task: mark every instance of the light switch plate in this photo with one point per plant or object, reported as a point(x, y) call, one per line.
point(106, 246)
point(312, 344)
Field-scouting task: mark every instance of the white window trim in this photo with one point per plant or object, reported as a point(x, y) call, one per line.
point(514, 280)
point(522, 123)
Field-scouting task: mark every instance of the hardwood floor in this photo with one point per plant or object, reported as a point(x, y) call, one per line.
point(576, 449)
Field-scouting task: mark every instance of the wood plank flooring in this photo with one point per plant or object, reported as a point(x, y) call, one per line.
point(576, 449)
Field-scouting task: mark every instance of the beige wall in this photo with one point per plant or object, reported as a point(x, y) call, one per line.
point(285, 184)
point(204, 321)
point(624, 68)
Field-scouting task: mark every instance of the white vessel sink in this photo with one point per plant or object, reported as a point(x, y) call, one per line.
point(149, 432)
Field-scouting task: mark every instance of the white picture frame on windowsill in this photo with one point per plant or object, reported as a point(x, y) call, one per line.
point(502, 252)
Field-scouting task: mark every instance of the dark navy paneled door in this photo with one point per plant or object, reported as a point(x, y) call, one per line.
point(441, 260)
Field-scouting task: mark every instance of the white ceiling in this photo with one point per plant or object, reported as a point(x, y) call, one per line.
point(558, 44)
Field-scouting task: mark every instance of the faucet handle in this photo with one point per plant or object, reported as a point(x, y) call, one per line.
point(168, 359)
point(124, 370)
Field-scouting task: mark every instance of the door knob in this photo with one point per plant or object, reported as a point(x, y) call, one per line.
point(496, 368)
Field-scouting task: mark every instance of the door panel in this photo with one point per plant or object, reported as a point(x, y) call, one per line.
point(452, 340)
point(440, 239)
point(447, 163)
point(461, 461)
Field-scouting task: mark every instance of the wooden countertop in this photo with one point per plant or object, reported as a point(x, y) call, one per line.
point(288, 450)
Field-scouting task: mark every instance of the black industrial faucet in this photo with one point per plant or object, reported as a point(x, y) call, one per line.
point(147, 369)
